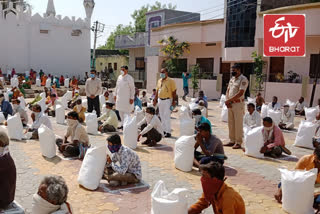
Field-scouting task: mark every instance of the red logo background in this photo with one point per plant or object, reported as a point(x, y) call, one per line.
point(297, 41)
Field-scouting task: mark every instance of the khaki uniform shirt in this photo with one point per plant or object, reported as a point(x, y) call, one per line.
point(166, 88)
point(237, 84)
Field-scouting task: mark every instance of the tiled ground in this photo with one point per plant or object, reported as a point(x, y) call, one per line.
point(255, 179)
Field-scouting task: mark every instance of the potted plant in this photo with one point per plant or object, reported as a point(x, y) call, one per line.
point(293, 77)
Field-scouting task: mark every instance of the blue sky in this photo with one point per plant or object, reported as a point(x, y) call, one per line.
point(112, 13)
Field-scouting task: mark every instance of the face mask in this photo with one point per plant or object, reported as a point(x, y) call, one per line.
point(210, 187)
point(162, 75)
point(15, 106)
point(149, 117)
point(36, 114)
point(286, 109)
point(40, 205)
point(4, 151)
point(72, 123)
point(268, 128)
point(92, 75)
point(114, 148)
point(122, 72)
point(198, 118)
point(233, 73)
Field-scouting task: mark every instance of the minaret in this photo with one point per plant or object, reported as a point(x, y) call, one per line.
point(50, 9)
point(88, 5)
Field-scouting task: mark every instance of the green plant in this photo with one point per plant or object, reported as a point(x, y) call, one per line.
point(172, 49)
point(195, 72)
point(258, 71)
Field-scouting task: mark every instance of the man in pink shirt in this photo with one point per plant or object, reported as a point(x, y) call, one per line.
point(274, 143)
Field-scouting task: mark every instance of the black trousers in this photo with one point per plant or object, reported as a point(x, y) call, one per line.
point(94, 104)
point(72, 150)
point(152, 135)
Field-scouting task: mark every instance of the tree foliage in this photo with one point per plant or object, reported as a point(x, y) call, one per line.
point(258, 70)
point(139, 16)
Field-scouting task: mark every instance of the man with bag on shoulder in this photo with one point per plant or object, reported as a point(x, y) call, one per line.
point(235, 102)
point(124, 94)
point(166, 100)
point(79, 138)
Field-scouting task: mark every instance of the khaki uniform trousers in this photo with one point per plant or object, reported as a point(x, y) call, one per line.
point(235, 122)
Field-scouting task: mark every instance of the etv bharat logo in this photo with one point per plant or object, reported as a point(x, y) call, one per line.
point(284, 35)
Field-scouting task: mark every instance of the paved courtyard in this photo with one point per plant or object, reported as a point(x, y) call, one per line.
point(254, 179)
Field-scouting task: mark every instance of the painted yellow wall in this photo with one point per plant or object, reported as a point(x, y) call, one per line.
point(102, 62)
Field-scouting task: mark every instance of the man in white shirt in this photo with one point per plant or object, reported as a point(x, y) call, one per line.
point(252, 118)
point(144, 99)
point(299, 107)
point(38, 119)
point(287, 118)
point(93, 90)
point(274, 105)
point(78, 135)
point(18, 109)
point(110, 119)
point(124, 93)
point(151, 128)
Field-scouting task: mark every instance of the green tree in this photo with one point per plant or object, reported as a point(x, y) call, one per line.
point(258, 71)
point(139, 16)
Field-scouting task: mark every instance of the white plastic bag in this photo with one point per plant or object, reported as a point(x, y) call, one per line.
point(102, 100)
point(66, 82)
point(224, 114)
point(311, 113)
point(6, 96)
point(251, 100)
point(14, 82)
point(130, 132)
point(291, 104)
point(22, 102)
point(92, 167)
point(68, 95)
point(43, 95)
point(47, 141)
point(297, 190)
point(264, 111)
point(48, 83)
point(275, 116)
point(85, 103)
point(187, 127)
point(15, 129)
point(38, 82)
point(43, 105)
point(163, 202)
point(222, 100)
point(139, 114)
point(64, 102)
point(184, 113)
point(92, 123)
point(254, 142)
point(2, 118)
point(184, 153)
point(60, 115)
point(305, 133)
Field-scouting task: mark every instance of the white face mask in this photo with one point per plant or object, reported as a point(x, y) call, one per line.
point(122, 72)
point(149, 117)
point(40, 205)
point(4, 151)
point(72, 123)
point(36, 114)
point(15, 106)
point(198, 118)
point(268, 128)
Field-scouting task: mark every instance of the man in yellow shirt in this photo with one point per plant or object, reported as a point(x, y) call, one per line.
point(165, 97)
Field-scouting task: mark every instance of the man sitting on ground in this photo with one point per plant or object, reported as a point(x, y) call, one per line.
point(199, 119)
point(252, 118)
point(154, 92)
point(210, 145)
point(259, 102)
point(129, 169)
point(286, 121)
point(274, 143)
point(307, 162)
point(80, 110)
point(202, 107)
point(51, 107)
point(18, 109)
point(51, 197)
point(110, 119)
point(216, 192)
point(151, 128)
point(6, 107)
point(299, 107)
point(274, 105)
point(201, 96)
point(8, 173)
point(144, 99)
point(78, 135)
point(137, 101)
point(38, 119)
point(75, 98)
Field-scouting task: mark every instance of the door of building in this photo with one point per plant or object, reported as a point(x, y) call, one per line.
point(276, 69)
point(247, 70)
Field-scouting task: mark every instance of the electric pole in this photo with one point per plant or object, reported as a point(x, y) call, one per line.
point(317, 75)
point(96, 28)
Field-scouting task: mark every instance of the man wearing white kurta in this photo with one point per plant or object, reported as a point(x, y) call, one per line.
point(252, 118)
point(124, 93)
point(165, 96)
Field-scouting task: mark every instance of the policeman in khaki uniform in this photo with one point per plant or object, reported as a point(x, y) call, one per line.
point(165, 97)
point(235, 103)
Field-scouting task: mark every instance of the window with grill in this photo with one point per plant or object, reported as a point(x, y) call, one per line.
point(180, 66)
point(115, 66)
point(241, 23)
point(140, 65)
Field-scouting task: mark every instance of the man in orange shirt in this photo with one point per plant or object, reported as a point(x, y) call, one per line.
point(307, 162)
point(224, 199)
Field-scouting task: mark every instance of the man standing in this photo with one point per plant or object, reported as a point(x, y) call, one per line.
point(124, 93)
point(165, 96)
point(93, 90)
point(185, 76)
point(235, 103)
